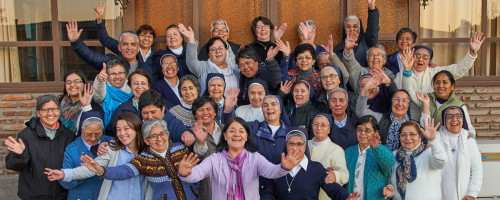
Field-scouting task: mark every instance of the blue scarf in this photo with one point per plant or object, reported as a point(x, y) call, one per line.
point(407, 170)
point(393, 135)
point(114, 97)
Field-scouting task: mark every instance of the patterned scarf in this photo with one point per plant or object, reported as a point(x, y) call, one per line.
point(69, 112)
point(407, 170)
point(393, 135)
point(114, 97)
point(236, 164)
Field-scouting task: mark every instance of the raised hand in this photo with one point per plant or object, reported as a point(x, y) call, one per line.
point(329, 48)
point(54, 174)
point(350, 42)
point(353, 196)
point(15, 146)
point(372, 84)
point(272, 52)
point(187, 32)
point(103, 75)
point(279, 32)
point(91, 164)
point(407, 58)
point(424, 98)
point(380, 75)
point(475, 42)
point(330, 177)
point(187, 138)
point(388, 191)
point(88, 93)
point(99, 12)
point(187, 163)
point(374, 140)
point(371, 4)
point(103, 149)
point(285, 48)
point(291, 160)
point(231, 99)
point(430, 130)
point(73, 32)
point(306, 31)
point(200, 132)
point(286, 87)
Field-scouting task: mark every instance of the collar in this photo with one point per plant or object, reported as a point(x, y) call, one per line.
point(170, 84)
point(217, 133)
point(88, 145)
point(325, 141)
point(185, 105)
point(162, 154)
point(341, 123)
point(302, 164)
point(362, 153)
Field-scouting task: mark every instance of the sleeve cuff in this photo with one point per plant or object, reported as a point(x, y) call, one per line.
point(68, 175)
point(87, 108)
point(200, 150)
point(406, 73)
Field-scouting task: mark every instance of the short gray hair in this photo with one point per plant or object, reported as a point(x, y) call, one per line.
point(352, 17)
point(45, 99)
point(129, 33)
point(310, 22)
point(192, 79)
point(339, 89)
point(113, 62)
point(147, 126)
point(378, 46)
point(219, 21)
point(92, 121)
point(296, 133)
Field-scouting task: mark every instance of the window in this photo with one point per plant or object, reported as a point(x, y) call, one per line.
point(34, 45)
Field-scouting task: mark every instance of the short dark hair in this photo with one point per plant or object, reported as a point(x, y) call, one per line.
point(407, 30)
point(117, 61)
point(248, 53)
point(146, 28)
point(45, 99)
point(449, 74)
point(212, 41)
point(303, 48)
point(192, 79)
point(151, 97)
point(249, 144)
point(264, 20)
point(199, 102)
point(368, 119)
point(138, 72)
point(136, 124)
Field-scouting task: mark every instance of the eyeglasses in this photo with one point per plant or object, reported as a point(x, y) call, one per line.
point(376, 55)
point(263, 27)
point(297, 144)
point(47, 110)
point(412, 135)
point(323, 126)
point(329, 76)
point(155, 136)
point(367, 131)
point(117, 74)
point(403, 100)
point(418, 56)
point(76, 81)
point(457, 116)
point(217, 49)
point(146, 36)
point(96, 135)
point(304, 57)
point(224, 30)
point(173, 64)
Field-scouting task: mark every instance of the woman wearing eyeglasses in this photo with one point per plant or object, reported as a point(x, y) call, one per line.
point(417, 75)
point(217, 62)
point(391, 122)
point(219, 28)
point(304, 61)
point(38, 146)
point(369, 163)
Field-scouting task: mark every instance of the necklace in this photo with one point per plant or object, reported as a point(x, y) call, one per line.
point(289, 185)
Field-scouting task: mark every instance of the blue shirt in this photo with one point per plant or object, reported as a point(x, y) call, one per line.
point(127, 189)
point(342, 123)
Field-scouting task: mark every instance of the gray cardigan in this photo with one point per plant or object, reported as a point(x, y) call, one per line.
point(356, 71)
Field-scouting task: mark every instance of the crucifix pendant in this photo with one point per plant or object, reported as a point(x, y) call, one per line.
point(289, 189)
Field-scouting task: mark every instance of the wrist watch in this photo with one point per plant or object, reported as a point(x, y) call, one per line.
point(474, 51)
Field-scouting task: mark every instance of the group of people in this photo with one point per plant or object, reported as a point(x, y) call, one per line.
point(253, 122)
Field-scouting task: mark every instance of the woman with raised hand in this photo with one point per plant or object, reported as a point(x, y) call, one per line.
point(257, 90)
point(234, 171)
point(301, 111)
point(263, 29)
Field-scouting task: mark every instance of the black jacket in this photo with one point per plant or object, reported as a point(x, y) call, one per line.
point(304, 116)
point(40, 153)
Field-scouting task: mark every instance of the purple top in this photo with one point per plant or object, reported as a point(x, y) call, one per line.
point(216, 167)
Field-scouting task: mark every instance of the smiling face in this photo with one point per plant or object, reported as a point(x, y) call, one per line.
point(205, 114)
point(217, 53)
point(443, 86)
point(351, 26)
point(248, 67)
point(172, 69)
point(256, 93)
point(76, 85)
point(150, 112)
point(409, 137)
point(421, 58)
point(338, 103)
point(400, 103)
point(117, 76)
point(49, 114)
point(405, 40)
point(365, 132)
point(216, 89)
point(92, 134)
point(271, 110)
point(138, 85)
point(145, 39)
point(296, 144)
point(329, 79)
point(376, 59)
point(188, 92)
point(262, 32)
point(362, 84)
point(173, 38)
point(321, 128)
point(301, 94)
point(125, 132)
point(220, 30)
point(305, 61)
point(129, 48)
point(160, 143)
point(454, 120)
point(236, 137)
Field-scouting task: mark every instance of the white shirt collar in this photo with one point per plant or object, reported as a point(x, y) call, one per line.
point(162, 154)
point(302, 164)
point(326, 141)
point(88, 145)
point(216, 134)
